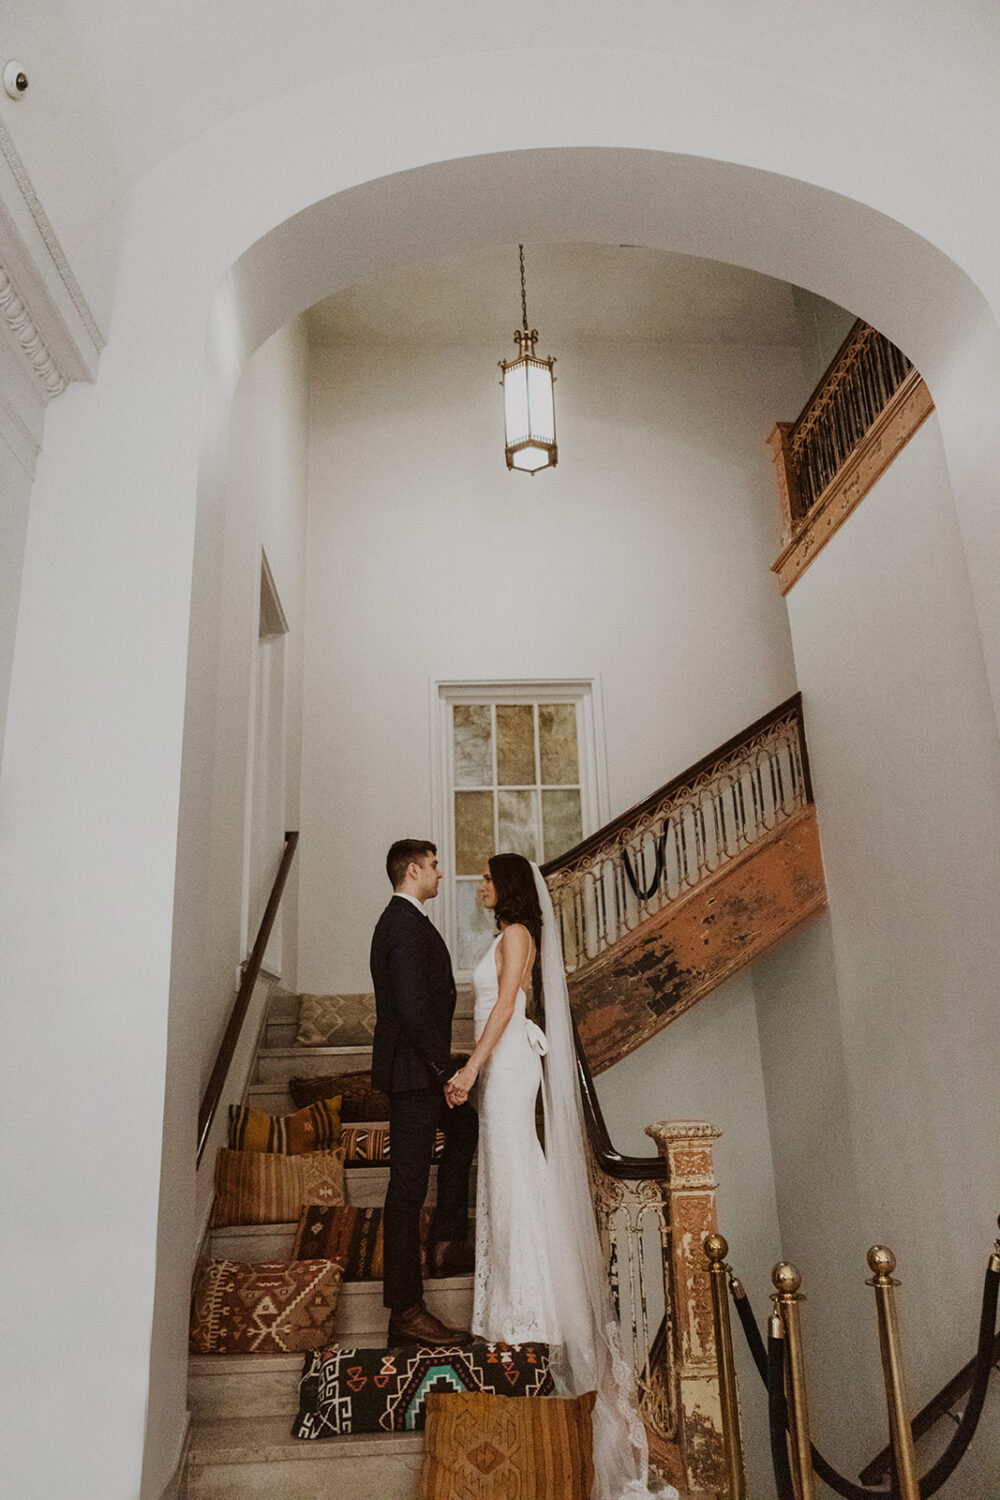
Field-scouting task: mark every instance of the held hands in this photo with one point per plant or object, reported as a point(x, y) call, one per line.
point(459, 1085)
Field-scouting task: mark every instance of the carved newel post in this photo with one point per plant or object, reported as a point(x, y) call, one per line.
point(788, 482)
point(686, 1146)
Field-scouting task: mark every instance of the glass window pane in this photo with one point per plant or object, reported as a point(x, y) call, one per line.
point(515, 744)
point(561, 822)
point(557, 743)
point(473, 740)
point(473, 831)
point(518, 823)
point(475, 929)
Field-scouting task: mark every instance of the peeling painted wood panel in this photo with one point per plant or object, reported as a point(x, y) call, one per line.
point(692, 946)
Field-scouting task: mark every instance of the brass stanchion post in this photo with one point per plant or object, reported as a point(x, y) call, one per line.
point(882, 1263)
point(786, 1299)
point(716, 1249)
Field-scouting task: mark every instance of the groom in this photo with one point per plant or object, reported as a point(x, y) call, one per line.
point(414, 1005)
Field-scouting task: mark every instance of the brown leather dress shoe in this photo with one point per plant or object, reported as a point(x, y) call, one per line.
point(452, 1258)
point(416, 1325)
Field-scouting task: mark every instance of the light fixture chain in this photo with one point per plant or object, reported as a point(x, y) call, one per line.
point(524, 293)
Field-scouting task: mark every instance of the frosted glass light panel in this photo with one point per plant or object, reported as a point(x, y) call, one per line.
point(529, 410)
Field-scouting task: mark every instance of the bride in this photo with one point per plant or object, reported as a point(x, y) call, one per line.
point(540, 1273)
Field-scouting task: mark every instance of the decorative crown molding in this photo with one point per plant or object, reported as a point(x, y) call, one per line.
point(48, 235)
point(18, 319)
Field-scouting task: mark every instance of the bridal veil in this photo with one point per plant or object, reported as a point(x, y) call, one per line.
point(589, 1357)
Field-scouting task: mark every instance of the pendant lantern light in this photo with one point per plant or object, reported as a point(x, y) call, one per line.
point(529, 407)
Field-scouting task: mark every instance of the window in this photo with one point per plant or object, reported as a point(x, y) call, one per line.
point(519, 774)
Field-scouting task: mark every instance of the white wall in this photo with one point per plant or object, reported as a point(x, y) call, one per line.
point(878, 1022)
point(642, 558)
point(15, 491)
point(707, 1066)
point(264, 508)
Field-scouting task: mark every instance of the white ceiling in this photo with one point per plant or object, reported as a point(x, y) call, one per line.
point(574, 292)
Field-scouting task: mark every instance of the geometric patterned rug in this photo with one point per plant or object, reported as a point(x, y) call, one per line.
point(384, 1390)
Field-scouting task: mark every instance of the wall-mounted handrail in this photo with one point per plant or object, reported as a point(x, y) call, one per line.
point(227, 1049)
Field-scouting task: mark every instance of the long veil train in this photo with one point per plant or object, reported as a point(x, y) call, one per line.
point(589, 1357)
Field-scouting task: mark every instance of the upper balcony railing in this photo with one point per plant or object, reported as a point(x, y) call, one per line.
point(868, 404)
point(857, 388)
point(679, 837)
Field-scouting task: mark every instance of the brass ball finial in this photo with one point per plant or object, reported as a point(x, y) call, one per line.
point(786, 1277)
point(881, 1261)
point(716, 1248)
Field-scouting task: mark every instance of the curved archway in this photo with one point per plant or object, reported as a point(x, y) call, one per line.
point(793, 230)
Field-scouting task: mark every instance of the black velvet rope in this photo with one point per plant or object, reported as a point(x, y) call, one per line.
point(633, 878)
point(754, 1341)
point(826, 1472)
point(945, 1466)
point(777, 1411)
point(963, 1434)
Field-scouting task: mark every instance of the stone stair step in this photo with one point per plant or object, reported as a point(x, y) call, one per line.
point(248, 1385)
point(276, 1064)
point(229, 1385)
point(281, 1033)
point(269, 1241)
point(272, 1098)
point(366, 1188)
point(253, 1241)
point(256, 1458)
point(284, 1005)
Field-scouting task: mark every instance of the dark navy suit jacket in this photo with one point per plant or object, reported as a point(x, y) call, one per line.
point(414, 1001)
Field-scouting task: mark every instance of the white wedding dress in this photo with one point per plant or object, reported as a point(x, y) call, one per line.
point(535, 1211)
point(513, 1287)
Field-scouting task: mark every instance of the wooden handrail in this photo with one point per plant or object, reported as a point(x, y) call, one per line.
point(216, 1083)
point(937, 1407)
point(610, 1160)
point(676, 783)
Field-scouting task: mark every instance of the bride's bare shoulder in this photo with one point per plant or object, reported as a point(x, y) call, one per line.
point(514, 937)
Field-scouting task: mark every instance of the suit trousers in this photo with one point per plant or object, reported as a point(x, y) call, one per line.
point(415, 1117)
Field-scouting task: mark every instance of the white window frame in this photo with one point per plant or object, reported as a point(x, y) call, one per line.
point(584, 692)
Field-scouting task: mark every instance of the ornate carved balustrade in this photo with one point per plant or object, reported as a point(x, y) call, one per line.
point(867, 406)
point(653, 1213)
point(666, 901)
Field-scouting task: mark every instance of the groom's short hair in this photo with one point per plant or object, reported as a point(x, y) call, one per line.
point(402, 855)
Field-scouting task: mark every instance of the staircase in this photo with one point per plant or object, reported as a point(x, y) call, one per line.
point(242, 1406)
point(655, 910)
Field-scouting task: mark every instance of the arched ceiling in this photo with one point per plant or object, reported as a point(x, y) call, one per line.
point(575, 291)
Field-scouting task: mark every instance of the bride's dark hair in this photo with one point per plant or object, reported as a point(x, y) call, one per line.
point(517, 898)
